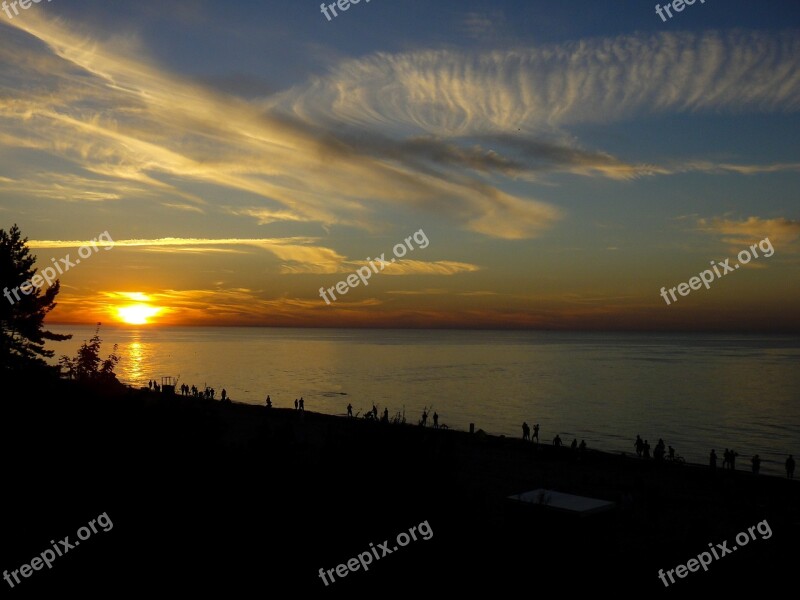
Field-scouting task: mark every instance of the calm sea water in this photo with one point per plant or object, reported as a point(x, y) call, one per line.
point(696, 391)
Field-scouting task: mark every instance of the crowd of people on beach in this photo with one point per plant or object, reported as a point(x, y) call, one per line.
point(208, 393)
point(557, 442)
point(662, 452)
point(729, 462)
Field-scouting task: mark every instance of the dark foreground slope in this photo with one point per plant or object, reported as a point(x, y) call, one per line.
point(248, 502)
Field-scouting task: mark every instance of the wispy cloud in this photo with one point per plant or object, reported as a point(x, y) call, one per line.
point(455, 93)
point(418, 267)
point(300, 254)
point(783, 233)
point(483, 26)
point(107, 109)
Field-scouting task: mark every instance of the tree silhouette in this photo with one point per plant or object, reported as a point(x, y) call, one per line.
point(22, 333)
point(86, 365)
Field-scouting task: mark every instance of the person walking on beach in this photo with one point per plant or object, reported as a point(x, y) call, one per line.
point(269, 402)
point(385, 418)
point(374, 412)
point(639, 444)
point(295, 404)
point(658, 453)
point(526, 431)
point(302, 404)
point(790, 467)
point(536, 432)
point(574, 445)
point(557, 441)
point(349, 410)
point(150, 384)
point(646, 449)
point(756, 464)
point(224, 395)
point(732, 459)
point(712, 460)
point(726, 459)
point(582, 448)
point(424, 416)
point(435, 420)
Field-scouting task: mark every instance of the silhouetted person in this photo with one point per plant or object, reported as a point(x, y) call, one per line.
point(671, 453)
point(790, 467)
point(374, 412)
point(526, 431)
point(557, 441)
point(658, 453)
point(224, 395)
point(712, 460)
point(435, 420)
point(582, 447)
point(385, 418)
point(150, 384)
point(302, 404)
point(295, 404)
point(424, 417)
point(536, 432)
point(349, 410)
point(732, 460)
point(726, 459)
point(269, 401)
point(574, 445)
point(639, 444)
point(756, 464)
point(646, 449)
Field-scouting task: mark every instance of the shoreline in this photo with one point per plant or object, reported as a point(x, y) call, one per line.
point(247, 495)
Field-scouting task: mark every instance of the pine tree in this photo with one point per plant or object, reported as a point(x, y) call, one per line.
point(22, 333)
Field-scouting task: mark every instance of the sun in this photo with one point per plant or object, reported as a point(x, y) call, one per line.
point(137, 314)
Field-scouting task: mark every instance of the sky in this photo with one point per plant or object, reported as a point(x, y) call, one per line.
point(562, 165)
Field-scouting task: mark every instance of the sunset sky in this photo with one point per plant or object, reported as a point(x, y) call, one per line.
point(565, 160)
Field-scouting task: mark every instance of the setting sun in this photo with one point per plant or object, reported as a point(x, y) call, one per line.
point(137, 314)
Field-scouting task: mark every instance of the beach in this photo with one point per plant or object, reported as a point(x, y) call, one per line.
point(696, 391)
point(209, 495)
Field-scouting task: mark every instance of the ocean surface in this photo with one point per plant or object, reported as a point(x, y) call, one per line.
point(696, 391)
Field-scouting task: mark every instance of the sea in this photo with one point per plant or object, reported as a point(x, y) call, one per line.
point(696, 391)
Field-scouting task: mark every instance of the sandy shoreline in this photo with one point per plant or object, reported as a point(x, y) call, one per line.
point(246, 495)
